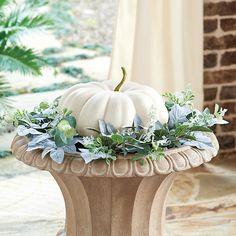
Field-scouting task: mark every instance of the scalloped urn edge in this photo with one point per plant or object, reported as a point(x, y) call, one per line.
point(120, 199)
point(174, 160)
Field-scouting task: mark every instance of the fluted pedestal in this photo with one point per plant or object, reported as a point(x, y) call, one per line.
point(114, 206)
point(121, 199)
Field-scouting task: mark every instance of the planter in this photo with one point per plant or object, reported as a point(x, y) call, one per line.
point(122, 199)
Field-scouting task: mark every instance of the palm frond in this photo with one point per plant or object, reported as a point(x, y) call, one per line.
point(5, 103)
point(3, 3)
point(36, 3)
point(18, 23)
point(23, 17)
point(18, 20)
point(15, 58)
point(4, 86)
point(40, 21)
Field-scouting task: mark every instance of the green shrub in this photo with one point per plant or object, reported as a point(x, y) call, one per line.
point(72, 71)
point(5, 153)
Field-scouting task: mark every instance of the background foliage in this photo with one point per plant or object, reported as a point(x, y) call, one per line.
point(17, 20)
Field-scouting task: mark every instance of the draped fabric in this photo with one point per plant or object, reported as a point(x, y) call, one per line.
point(160, 43)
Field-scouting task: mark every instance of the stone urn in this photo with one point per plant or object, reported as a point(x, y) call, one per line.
point(124, 198)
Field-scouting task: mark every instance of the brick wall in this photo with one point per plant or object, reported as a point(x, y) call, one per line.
point(220, 66)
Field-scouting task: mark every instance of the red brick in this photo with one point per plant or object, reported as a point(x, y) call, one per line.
point(231, 126)
point(220, 8)
point(209, 105)
point(230, 106)
point(210, 94)
point(228, 58)
point(226, 141)
point(219, 76)
point(228, 92)
point(210, 60)
point(224, 42)
point(228, 155)
point(228, 24)
point(210, 25)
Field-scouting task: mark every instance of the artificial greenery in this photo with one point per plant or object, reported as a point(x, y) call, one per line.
point(182, 98)
point(54, 132)
point(48, 129)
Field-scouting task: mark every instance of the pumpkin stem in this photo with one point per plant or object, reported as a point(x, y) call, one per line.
point(117, 88)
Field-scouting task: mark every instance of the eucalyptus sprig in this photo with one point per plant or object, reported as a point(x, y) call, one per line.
point(183, 98)
point(54, 132)
point(49, 129)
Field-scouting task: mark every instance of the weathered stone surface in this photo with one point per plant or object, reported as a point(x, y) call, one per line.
point(31, 202)
point(210, 25)
point(220, 76)
point(210, 94)
point(175, 159)
point(202, 200)
point(228, 92)
point(224, 8)
point(125, 198)
point(210, 208)
point(210, 60)
point(228, 24)
point(224, 42)
point(228, 58)
point(185, 189)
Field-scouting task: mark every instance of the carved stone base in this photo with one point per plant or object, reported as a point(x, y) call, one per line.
point(120, 199)
point(104, 206)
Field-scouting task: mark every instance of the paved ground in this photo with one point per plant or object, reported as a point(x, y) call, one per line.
point(31, 203)
point(200, 203)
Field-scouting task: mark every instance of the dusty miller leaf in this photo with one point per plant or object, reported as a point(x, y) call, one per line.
point(57, 155)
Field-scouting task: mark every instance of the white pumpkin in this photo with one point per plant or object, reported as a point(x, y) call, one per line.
point(115, 104)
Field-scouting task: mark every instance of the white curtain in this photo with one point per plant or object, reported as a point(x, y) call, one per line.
point(160, 43)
